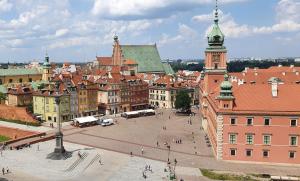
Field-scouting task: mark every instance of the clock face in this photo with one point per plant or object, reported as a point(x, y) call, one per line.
point(216, 58)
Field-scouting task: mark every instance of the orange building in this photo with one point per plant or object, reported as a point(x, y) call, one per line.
point(252, 115)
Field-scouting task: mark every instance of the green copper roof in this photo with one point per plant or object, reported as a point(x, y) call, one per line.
point(216, 37)
point(18, 71)
point(146, 56)
point(168, 69)
point(46, 63)
point(226, 87)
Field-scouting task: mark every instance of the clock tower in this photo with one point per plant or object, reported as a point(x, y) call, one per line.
point(215, 57)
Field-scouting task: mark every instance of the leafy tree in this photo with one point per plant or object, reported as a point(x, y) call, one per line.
point(2, 96)
point(183, 101)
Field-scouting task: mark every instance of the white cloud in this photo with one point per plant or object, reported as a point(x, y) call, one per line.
point(5, 5)
point(288, 20)
point(61, 32)
point(185, 35)
point(137, 9)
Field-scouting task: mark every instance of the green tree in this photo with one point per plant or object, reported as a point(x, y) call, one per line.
point(183, 101)
point(2, 96)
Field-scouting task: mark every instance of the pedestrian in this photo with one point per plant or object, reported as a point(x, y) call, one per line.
point(38, 147)
point(131, 153)
point(180, 141)
point(175, 161)
point(7, 170)
point(142, 150)
point(100, 161)
point(156, 144)
point(79, 154)
point(3, 171)
point(169, 116)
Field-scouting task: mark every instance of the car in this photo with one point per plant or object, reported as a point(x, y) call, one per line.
point(107, 122)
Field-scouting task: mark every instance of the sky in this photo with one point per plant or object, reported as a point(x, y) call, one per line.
point(80, 30)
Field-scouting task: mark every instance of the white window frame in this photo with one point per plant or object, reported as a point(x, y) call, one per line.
point(269, 139)
point(251, 121)
point(293, 119)
point(251, 152)
point(265, 121)
point(290, 154)
point(235, 151)
point(296, 140)
point(234, 134)
point(252, 135)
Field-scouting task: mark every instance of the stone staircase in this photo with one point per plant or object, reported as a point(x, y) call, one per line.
point(77, 162)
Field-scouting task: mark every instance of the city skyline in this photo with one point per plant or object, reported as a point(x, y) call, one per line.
point(77, 31)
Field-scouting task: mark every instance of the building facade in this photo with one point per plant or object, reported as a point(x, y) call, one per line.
point(250, 116)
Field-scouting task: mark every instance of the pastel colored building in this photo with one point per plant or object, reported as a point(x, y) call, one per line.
point(252, 116)
point(44, 105)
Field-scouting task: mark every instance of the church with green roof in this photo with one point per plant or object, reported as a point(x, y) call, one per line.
point(146, 56)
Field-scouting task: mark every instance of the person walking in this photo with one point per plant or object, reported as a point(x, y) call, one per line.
point(142, 150)
point(7, 170)
point(3, 171)
point(157, 144)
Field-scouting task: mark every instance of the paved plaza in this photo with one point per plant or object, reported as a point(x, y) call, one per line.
point(132, 135)
point(30, 164)
point(146, 138)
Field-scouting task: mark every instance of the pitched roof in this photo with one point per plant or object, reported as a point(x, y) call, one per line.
point(168, 69)
point(104, 61)
point(257, 98)
point(18, 71)
point(147, 57)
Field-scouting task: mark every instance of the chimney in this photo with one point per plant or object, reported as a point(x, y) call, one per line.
point(274, 89)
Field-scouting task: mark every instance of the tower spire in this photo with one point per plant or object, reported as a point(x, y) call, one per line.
point(216, 13)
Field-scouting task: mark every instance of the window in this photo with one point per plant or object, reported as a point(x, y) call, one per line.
point(233, 152)
point(265, 153)
point(248, 152)
point(267, 121)
point(20, 80)
point(232, 138)
point(292, 154)
point(216, 81)
point(249, 139)
point(267, 139)
point(49, 118)
point(216, 66)
point(232, 121)
point(293, 140)
point(30, 79)
point(293, 122)
point(47, 100)
point(10, 80)
point(249, 121)
point(0, 81)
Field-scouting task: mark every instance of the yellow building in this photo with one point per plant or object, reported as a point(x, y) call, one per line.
point(19, 75)
point(44, 105)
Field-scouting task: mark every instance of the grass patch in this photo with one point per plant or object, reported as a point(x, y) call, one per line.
point(224, 176)
point(21, 122)
point(4, 138)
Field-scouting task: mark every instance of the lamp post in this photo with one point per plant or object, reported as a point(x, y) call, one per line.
point(59, 150)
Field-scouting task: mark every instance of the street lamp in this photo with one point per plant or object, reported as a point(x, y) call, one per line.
point(59, 151)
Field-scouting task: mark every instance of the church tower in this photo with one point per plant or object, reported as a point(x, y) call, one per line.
point(46, 69)
point(215, 57)
point(117, 52)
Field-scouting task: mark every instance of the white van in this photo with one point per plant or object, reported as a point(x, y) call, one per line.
point(107, 122)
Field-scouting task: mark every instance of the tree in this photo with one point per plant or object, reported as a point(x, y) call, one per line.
point(183, 101)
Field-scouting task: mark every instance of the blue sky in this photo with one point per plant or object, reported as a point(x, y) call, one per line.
point(78, 30)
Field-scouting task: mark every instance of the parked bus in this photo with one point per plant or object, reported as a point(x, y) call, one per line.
point(135, 114)
point(85, 121)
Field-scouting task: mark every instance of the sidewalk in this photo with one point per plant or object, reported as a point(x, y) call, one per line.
point(25, 127)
